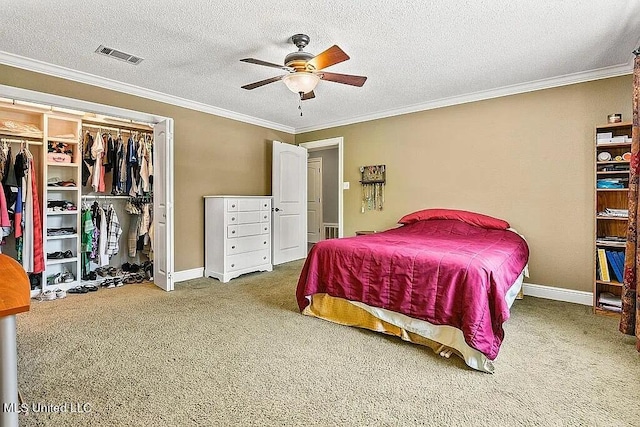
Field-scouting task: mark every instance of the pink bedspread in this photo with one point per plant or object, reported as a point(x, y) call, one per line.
point(446, 272)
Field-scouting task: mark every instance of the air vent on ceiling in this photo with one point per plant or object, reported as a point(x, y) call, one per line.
point(113, 53)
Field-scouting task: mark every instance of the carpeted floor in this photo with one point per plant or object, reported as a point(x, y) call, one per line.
point(216, 354)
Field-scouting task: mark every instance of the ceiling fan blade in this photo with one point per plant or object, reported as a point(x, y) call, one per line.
point(329, 57)
point(346, 79)
point(308, 95)
point(266, 64)
point(263, 82)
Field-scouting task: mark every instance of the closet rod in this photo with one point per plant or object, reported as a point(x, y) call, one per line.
point(104, 196)
point(114, 126)
point(20, 141)
point(14, 138)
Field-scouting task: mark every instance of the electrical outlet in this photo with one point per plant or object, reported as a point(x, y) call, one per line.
point(345, 185)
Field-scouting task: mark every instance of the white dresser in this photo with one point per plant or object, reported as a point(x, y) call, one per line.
point(237, 235)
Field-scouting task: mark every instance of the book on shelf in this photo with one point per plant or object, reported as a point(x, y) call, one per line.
point(612, 239)
point(603, 266)
point(615, 266)
point(619, 256)
point(614, 168)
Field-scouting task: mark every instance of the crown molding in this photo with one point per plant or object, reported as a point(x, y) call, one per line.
point(568, 79)
point(106, 83)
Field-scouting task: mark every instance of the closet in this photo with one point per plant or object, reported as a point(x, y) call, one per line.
point(76, 203)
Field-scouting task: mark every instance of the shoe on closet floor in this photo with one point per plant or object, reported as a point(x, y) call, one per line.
point(47, 295)
point(61, 293)
point(78, 290)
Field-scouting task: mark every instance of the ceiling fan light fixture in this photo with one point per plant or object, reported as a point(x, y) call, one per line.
point(301, 82)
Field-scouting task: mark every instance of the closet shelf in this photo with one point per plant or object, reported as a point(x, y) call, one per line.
point(614, 145)
point(52, 188)
point(69, 165)
point(61, 261)
point(63, 236)
point(62, 212)
point(65, 140)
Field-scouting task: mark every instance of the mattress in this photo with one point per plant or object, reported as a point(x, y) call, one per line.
point(442, 339)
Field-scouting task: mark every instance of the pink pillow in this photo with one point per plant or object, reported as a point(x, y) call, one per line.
point(472, 218)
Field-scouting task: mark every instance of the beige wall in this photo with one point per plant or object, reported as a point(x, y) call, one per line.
point(526, 158)
point(213, 155)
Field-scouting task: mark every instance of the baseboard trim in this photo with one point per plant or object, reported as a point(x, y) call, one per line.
point(182, 275)
point(558, 294)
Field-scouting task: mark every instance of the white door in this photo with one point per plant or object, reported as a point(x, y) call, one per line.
point(163, 204)
point(289, 189)
point(314, 200)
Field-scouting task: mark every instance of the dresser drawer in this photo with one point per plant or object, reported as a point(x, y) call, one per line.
point(265, 204)
point(243, 217)
point(248, 205)
point(247, 244)
point(242, 230)
point(247, 260)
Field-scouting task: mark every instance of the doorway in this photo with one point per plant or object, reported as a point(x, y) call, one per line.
point(329, 219)
point(315, 197)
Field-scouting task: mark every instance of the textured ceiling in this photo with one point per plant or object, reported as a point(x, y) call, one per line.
point(413, 52)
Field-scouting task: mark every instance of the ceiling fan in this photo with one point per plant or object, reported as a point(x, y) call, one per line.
point(305, 69)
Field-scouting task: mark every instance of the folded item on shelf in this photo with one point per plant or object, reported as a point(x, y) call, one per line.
point(58, 158)
point(608, 298)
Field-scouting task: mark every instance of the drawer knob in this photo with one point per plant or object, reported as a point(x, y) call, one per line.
point(233, 247)
point(233, 206)
point(234, 231)
point(264, 257)
point(265, 229)
point(233, 218)
point(265, 217)
point(264, 243)
point(233, 265)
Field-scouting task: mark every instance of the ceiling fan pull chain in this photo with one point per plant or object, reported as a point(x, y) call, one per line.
point(300, 103)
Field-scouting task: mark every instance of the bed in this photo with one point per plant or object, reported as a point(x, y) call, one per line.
point(444, 278)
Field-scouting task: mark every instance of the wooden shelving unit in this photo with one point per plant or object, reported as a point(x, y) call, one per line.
point(607, 226)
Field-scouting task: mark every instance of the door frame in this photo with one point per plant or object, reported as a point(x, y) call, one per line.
point(47, 99)
point(321, 214)
point(324, 144)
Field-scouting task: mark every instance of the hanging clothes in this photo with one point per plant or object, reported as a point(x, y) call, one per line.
point(38, 248)
point(117, 158)
point(87, 161)
point(102, 242)
point(145, 168)
point(28, 232)
point(5, 222)
point(122, 161)
point(95, 236)
point(97, 151)
point(113, 232)
point(86, 239)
